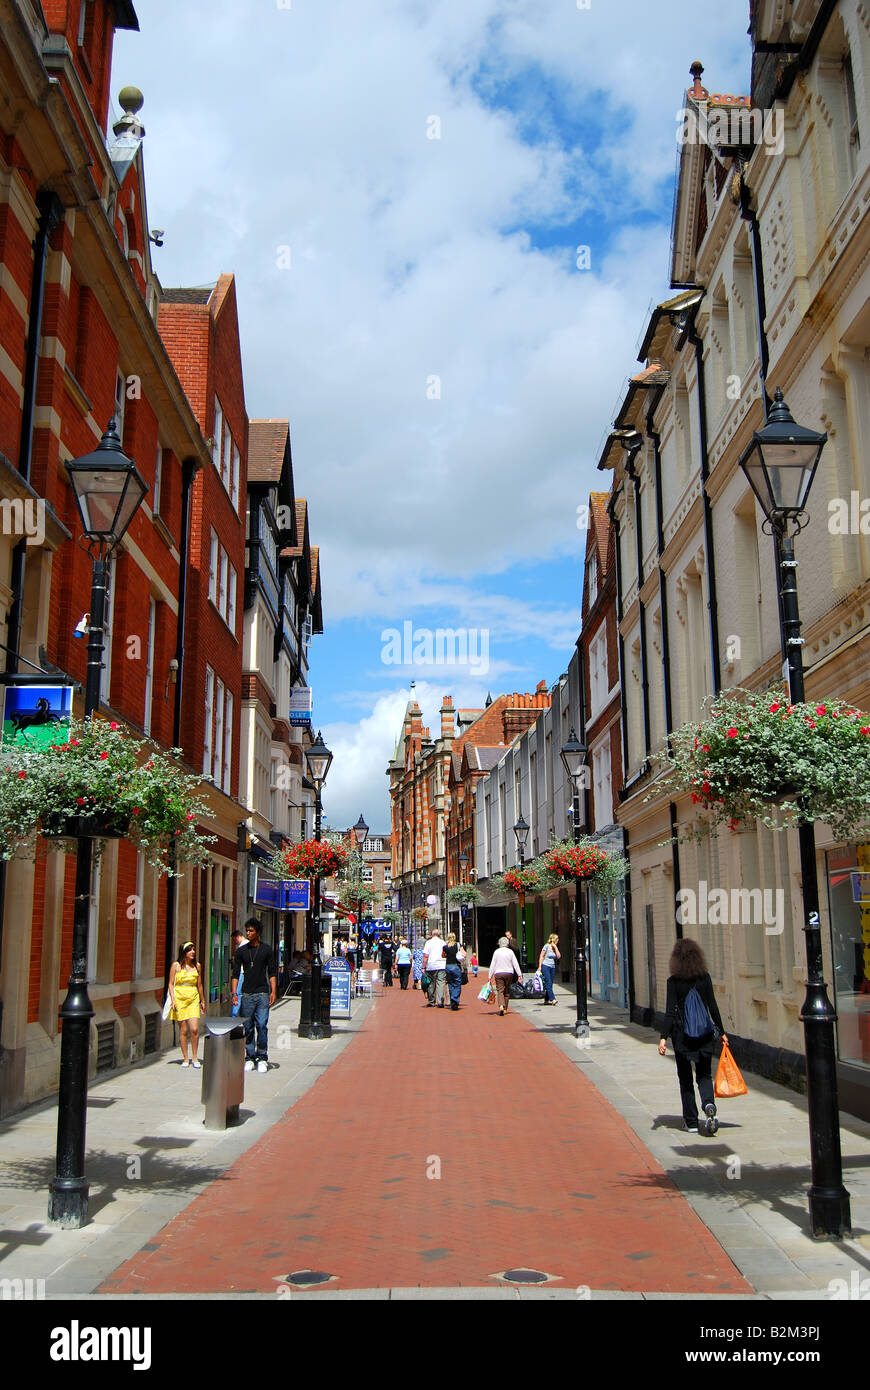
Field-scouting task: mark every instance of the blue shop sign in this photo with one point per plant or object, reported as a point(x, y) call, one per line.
point(860, 888)
point(297, 894)
point(340, 973)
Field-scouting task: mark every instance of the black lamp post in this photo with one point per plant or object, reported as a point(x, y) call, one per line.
point(424, 884)
point(463, 911)
point(780, 463)
point(319, 760)
point(360, 834)
point(108, 489)
point(521, 830)
point(573, 756)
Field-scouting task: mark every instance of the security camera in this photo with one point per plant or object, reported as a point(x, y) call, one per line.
point(157, 236)
point(83, 626)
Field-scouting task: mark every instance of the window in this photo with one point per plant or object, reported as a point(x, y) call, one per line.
point(218, 434)
point(598, 686)
point(149, 668)
point(106, 673)
point(218, 763)
point(592, 579)
point(222, 583)
point(602, 787)
point(388, 878)
point(209, 717)
point(851, 115)
point(228, 740)
point(235, 477)
point(367, 874)
point(158, 479)
point(120, 386)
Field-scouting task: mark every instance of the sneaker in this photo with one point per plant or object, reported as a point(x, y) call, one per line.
point(262, 1067)
point(185, 1064)
point(249, 1066)
point(712, 1122)
point(196, 1064)
point(692, 1129)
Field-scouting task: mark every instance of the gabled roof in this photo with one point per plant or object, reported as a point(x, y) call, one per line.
point(478, 757)
point(267, 446)
point(201, 294)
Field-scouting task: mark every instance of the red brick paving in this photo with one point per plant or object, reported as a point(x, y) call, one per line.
point(537, 1171)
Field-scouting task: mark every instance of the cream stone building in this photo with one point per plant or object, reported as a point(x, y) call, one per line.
point(770, 287)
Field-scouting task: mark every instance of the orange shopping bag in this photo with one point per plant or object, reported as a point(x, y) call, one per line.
point(729, 1082)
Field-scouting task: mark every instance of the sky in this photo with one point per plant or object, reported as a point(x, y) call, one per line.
point(448, 220)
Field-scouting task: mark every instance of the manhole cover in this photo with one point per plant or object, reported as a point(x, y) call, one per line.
point(525, 1276)
point(304, 1278)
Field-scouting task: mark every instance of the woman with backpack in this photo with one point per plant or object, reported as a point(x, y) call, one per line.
point(692, 1020)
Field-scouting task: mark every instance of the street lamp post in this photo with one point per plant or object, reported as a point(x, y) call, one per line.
point(573, 756)
point(780, 462)
point(463, 911)
point(521, 830)
point(360, 834)
point(108, 489)
point(319, 761)
point(424, 884)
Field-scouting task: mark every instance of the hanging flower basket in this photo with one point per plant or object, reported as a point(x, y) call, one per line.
point(420, 914)
point(464, 893)
point(310, 859)
point(101, 783)
point(587, 861)
point(756, 757)
point(524, 880)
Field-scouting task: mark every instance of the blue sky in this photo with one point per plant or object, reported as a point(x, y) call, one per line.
point(447, 368)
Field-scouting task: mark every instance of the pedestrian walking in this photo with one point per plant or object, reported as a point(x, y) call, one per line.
point(550, 954)
point(475, 963)
point(453, 958)
point(403, 963)
point(504, 968)
point(691, 1021)
point(417, 963)
point(386, 957)
point(188, 1000)
point(434, 966)
point(258, 994)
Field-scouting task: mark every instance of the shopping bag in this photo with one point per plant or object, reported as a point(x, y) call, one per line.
point(729, 1082)
point(538, 982)
point(167, 1007)
point(486, 992)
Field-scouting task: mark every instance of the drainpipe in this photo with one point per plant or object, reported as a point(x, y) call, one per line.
point(189, 469)
point(655, 440)
point(675, 861)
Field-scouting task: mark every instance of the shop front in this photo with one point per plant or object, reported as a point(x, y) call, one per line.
point(848, 884)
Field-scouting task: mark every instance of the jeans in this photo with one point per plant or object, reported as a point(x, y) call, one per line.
point(404, 972)
point(254, 1013)
point(454, 982)
point(703, 1065)
point(436, 986)
point(548, 974)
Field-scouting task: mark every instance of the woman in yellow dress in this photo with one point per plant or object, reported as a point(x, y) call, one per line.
point(188, 1000)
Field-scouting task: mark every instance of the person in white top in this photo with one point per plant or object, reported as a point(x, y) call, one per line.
point(502, 969)
point(434, 965)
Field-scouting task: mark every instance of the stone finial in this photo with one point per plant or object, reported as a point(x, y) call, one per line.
point(131, 101)
point(696, 69)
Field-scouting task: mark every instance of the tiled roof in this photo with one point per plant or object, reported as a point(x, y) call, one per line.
point(315, 566)
point(267, 442)
point(200, 295)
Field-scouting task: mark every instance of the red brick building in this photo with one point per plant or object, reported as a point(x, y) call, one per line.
point(80, 345)
point(423, 837)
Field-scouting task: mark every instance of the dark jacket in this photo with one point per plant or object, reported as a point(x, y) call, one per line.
point(678, 988)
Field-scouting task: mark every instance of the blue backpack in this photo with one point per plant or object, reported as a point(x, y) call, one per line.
point(697, 1022)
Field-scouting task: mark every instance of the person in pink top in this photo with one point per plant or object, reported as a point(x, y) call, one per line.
point(503, 967)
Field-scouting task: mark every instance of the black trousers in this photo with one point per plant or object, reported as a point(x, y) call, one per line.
point(387, 973)
point(703, 1065)
point(404, 972)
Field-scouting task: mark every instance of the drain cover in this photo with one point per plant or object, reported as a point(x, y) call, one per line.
point(525, 1276)
point(304, 1278)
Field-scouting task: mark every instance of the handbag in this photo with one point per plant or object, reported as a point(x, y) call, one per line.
point(424, 981)
point(729, 1081)
point(167, 1006)
point(463, 979)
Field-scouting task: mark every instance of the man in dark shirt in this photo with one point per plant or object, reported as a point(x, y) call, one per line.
point(387, 960)
point(259, 988)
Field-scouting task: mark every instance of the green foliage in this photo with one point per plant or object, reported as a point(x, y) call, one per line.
point(101, 772)
point(756, 757)
point(464, 893)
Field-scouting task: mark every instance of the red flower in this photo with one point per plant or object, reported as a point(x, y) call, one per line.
point(820, 709)
point(774, 707)
point(104, 756)
point(732, 733)
point(80, 800)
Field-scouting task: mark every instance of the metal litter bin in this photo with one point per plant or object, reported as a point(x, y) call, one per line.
point(223, 1071)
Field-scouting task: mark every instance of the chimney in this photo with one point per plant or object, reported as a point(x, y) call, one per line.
point(448, 730)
